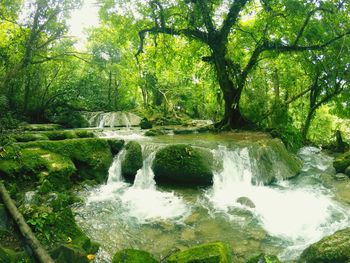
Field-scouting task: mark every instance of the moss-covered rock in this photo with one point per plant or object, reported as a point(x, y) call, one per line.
point(183, 164)
point(116, 145)
point(146, 124)
point(68, 254)
point(36, 164)
point(41, 127)
point(91, 156)
point(273, 162)
point(332, 249)
point(342, 162)
point(133, 256)
point(155, 132)
point(262, 258)
point(216, 252)
point(132, 161)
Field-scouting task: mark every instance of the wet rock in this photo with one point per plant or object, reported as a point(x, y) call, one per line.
point(342, 162)
point(155, 132)
point(331, 249)
point(216, 252)
point(183, 164)
point(245, 201)
point(273, 162)
point(192, 219)
point(133, 256)
point(340, 177)
point(145, 124)
point(111, 119)
point(188, 234)
point(132, 161)
point(262, 258)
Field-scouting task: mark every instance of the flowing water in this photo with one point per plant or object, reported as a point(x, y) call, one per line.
point(281, 219)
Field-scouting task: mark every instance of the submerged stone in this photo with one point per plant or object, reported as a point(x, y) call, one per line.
point(216, 252)
point(133, 256)
point(183, 164)
point(331, 249)
point(245, 201)
point(273, 162)
point(132, 161)
point(262, 258)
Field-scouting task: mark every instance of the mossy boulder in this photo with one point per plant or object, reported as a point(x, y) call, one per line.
point(38, 165)
point(132, 161)
point(115, 145)
point(145, 124)
point(184, 165)
point(262, 258)
point(216, 252)
point(331, 249)
point(91, 156)
point(41, 127)
point(273, 162)
point(133, 256)
point(68, 254)
point(342, 162)
point(155, 132)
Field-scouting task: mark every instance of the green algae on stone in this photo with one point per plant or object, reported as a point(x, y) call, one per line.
point(183, 164)
point(262, 258)
point(91, 156)
point(216, 252)
point(342, 162)
point(133, 256)
point(331, 249)
point(132, 161)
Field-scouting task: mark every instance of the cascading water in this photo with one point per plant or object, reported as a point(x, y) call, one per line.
point(298, 215)
point(283, 218)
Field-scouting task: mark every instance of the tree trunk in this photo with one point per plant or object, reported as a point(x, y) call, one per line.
point(232, 94)
point(307, 124)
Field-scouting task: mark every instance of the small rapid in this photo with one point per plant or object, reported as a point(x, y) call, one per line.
point(284, 217)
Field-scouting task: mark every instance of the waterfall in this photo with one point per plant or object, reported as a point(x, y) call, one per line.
point(115, 171)
point(144, 177)
point(300, 214)
point(101, 122)
point(127, 122)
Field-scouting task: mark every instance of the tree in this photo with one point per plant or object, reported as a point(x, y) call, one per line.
point(275, 27)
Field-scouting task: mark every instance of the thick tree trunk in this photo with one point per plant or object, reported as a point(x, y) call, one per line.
point(232, 94)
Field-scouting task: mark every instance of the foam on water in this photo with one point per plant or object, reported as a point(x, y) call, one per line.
point(298, 215)
point(127, 135)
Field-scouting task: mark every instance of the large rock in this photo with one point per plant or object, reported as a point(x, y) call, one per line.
point(132, 161)
point(68, 254)
point(133, 256)
point(342, 163)
point(112, 119)
point(273, 162)
point(331, 249)
point(183, 164)
point(262, 258)
point(57, 161)
point(216, 252)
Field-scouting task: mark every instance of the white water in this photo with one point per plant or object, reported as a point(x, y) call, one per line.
point(298, 215)
point(142, 200)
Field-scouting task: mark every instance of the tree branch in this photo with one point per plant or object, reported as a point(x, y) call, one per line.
point(192, 33)
point(231, 19)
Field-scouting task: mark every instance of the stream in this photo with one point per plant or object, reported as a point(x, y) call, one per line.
point(282, 219)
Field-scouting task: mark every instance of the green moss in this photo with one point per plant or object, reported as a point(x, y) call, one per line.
point(68, 254)
point(183, 164)
point(116, 145)
point(132, 160)
point(29, 137)
point(331, 249)
point(342, 162)
point(91, 156)
point(41, 127)
point(216, 252)
point(155, 132)
point(133, 256)
point(262, 258)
